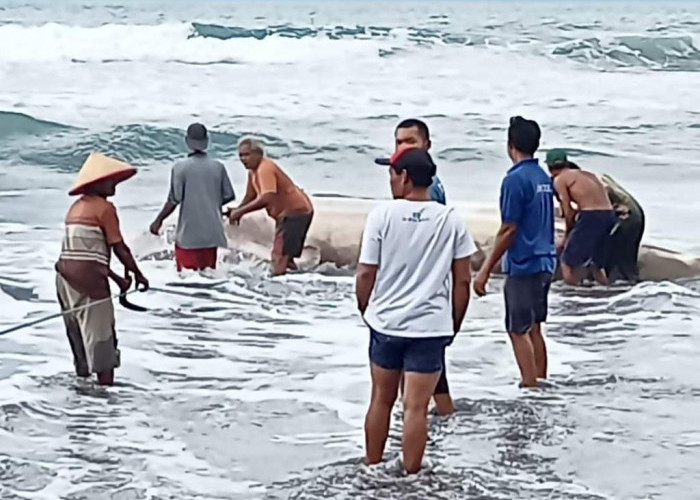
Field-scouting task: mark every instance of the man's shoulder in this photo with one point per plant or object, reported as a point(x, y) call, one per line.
point(513, 177)
point(197, 163)
point(88, 207)
point(267, 165)
point(391, 208)
point(183, 164)
point(383, 207)
point(98, 202)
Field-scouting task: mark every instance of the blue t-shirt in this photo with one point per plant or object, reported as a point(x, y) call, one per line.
point(437, 192)
point(527, 199)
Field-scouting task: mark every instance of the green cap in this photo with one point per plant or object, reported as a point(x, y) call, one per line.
point(555, 156)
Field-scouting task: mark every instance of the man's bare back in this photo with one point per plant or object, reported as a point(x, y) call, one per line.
point(582, 188)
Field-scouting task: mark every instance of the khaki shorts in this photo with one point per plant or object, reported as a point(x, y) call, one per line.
point(90, 330)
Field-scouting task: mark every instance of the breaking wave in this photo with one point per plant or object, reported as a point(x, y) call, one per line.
point(203, 43)
point(656, 53)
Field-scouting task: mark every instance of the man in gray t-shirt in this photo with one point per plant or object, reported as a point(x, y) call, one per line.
point(200, 186)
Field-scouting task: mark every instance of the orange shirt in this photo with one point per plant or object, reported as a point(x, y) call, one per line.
point(91, 229)
point(289, 199)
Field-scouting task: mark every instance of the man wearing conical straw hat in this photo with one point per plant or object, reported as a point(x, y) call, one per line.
point(91, 234)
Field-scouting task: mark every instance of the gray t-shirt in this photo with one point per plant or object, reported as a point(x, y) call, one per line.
point(201, 186)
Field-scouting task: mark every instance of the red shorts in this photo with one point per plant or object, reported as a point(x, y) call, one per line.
point(195, 258)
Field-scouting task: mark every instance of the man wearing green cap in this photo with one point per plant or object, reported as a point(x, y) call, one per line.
point(589, 225)
point(623, 254)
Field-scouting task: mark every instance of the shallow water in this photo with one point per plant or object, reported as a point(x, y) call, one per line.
point(255, 388)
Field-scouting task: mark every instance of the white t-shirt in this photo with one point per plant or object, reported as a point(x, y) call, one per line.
point(414, 244)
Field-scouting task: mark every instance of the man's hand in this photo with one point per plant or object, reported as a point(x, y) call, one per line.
point(123, 283)
point(482, 278)
point(622, 211)
point(234, 217)
point(155, 227)
point(141, 282)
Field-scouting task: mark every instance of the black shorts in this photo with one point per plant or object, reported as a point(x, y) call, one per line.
point(526, 301)
point(589, 242)
point(290, 234)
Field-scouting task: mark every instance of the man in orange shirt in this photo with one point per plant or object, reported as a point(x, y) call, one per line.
point(270, 188)
point(91, 235)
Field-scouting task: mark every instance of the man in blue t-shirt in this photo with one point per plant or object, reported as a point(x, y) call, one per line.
point(413, 132)
point(526, 243)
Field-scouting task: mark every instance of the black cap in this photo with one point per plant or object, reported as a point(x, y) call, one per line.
point(197, 138)
point(417, 163)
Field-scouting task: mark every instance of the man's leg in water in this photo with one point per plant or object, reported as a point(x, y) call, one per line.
point(106, 378)
point(526, 305)
point(293, 230)
point(540, 350)
point(525, 356)
point(280, 261)
point(570, 274)
point(599, 275)
point(385, 386)
point(444, 405)
point(386, 365)
point(423, 364)
point(419, 389)
point(280, 264)
point(71, 322)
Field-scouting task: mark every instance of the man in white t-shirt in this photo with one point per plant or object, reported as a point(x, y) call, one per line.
point(413, 281)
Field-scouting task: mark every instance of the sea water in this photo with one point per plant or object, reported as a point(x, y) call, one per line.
point(254, 387)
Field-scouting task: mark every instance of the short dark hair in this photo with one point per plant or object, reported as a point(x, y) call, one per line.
point(524, 135)
point(419, 124)
point(561, 165)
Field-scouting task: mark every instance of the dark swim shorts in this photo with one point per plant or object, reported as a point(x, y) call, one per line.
point(526, 297)
point(589, 242)
point(417, 355)
point(290, 234)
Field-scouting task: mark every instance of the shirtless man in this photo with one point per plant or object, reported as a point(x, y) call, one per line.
point(588, 225)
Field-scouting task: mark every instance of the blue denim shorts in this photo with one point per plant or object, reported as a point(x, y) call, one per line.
point(424, 355)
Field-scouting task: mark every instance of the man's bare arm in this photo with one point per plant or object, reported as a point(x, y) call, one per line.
point(249, 194)
point(504, 240)
point(461, 285)
point(260, 202)
point(365, 278)
point(569, 213)
point(124, 254)
point(165, 212)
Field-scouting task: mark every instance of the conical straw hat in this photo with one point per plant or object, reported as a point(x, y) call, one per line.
point(99, 167)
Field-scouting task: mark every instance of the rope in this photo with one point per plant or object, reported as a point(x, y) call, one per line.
point(21, 326)
point(199, 296)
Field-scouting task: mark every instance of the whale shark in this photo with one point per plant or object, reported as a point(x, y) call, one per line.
point(336, 231)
